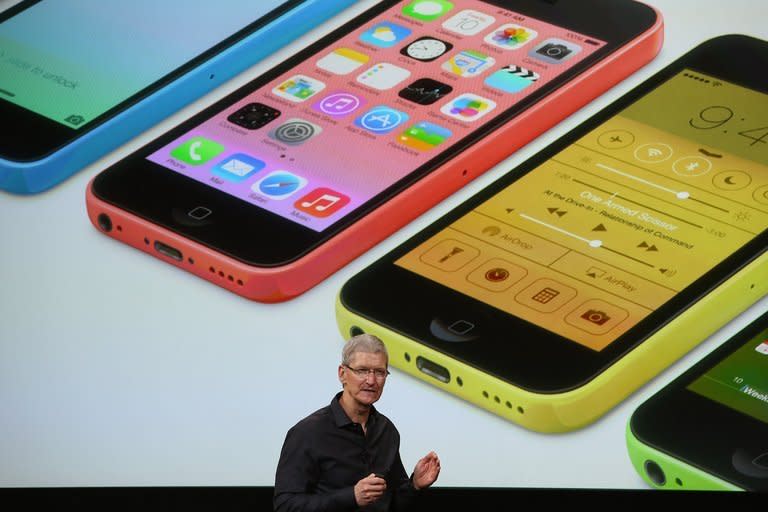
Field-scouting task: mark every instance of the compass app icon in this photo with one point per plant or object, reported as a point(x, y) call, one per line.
point(279, 184)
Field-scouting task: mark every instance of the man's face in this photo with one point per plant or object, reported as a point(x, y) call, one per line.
point(366, 389)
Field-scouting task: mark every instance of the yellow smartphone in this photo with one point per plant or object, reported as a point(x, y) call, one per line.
point(564, 286)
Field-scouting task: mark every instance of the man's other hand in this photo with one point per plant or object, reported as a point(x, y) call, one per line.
point(426, 471)
point(369, 489)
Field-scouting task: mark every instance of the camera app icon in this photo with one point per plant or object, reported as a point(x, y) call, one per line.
point(555, 51)
point(595, 316)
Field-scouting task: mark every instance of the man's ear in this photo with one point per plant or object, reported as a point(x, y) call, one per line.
point(342, 376)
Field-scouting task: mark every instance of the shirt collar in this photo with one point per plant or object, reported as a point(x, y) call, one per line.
point(340, 417)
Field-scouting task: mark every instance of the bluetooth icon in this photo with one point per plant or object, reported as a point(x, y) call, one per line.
point(691, 166)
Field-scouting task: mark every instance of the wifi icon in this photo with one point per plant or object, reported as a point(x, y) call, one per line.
point(653, 153)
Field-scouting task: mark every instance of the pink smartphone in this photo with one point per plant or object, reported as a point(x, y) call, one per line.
point(279, 184)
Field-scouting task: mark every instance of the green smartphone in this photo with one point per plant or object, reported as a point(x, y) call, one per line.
point(554, 293)
point(708, 429)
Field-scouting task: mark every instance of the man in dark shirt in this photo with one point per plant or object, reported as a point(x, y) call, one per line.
point(346, 456)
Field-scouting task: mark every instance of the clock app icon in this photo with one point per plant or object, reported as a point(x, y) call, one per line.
point(426, 49)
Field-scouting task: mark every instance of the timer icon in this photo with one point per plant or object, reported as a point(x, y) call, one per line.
point(497, 275)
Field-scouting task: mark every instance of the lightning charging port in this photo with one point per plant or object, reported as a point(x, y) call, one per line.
point(167, 250)
point(433, 369)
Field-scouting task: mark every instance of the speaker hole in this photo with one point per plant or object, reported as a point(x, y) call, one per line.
point(520, 410)
point(497, 399)
point(679, 482)
point(655, 473)
point(240, 282)
point(485, 394)
point(146, 241)
point(408, 357)
point(232, 279)
point(459, 381)
point(212, 270)
point(120, 228)
point(221, 273)
point(509, 405)
point(104, 222)
point(191, 261)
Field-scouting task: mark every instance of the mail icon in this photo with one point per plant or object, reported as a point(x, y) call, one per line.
point(238, 167)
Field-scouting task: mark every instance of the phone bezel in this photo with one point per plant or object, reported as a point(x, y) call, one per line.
point(671, 420)
point(35, 136)
point(152, 192)
point(548, 363)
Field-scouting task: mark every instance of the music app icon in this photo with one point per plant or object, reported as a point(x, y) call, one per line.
point(321, 202)
point(339, 104)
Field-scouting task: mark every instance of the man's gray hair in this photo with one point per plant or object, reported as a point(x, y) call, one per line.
point(362, 343)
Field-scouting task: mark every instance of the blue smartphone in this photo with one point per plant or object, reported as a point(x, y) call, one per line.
point(78, 78)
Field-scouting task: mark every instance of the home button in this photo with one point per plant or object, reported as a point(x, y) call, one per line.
point(453, 330)
point(196, 217)
point(461, 327)
point(751, 464)
point(199, 212)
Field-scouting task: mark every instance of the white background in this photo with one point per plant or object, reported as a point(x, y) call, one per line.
point(118, 369)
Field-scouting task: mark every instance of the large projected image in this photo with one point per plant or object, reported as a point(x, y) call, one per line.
point(118, 370)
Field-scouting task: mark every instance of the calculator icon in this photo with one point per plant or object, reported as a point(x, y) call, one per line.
point(545, 295)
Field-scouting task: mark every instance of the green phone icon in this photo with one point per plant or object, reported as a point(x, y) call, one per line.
point(197, 150)
point(427, 10)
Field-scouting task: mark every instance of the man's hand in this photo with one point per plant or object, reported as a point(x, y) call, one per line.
point(426, 471)
point(369, 489)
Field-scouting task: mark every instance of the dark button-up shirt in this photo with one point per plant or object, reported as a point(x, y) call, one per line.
point(326, 454)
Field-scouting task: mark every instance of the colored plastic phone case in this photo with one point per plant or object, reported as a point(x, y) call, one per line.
point(678, 474)
point(287, 281)
point(563, 412)
point(40, 175)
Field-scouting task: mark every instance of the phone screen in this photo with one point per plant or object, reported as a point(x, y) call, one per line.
point(328, 135)
point(611, 228)
point(73, 61)
point(740, 381)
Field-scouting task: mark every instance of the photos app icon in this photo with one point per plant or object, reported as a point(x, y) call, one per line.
point(511, 36)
